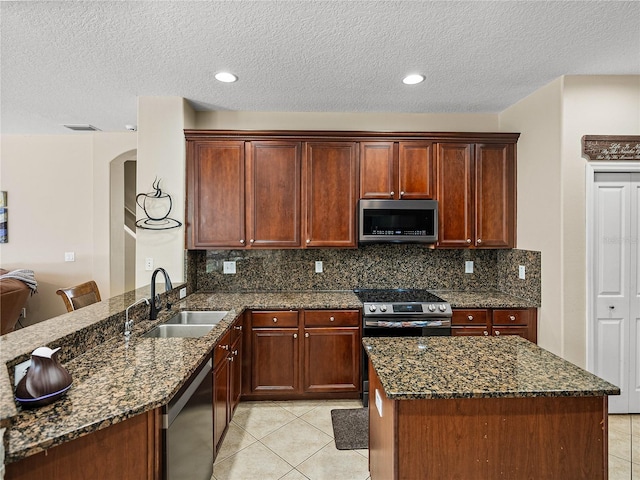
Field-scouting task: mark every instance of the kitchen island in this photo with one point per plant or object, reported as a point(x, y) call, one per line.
point(482, 407)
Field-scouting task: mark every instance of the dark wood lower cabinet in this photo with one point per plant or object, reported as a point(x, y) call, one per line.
point(496, 322)
point(303, 354)
point(220, 392)
point(486, 438)
point(128, 450)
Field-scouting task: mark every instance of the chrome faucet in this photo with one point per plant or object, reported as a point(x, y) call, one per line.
point(128, 324)
point(155, 298)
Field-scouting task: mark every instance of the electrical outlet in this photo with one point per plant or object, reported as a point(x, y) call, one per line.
point(21, 370)
point(148, 264)
point(183, 292)
point(69, 256)
point(468, 266)
point(521, 272)
point(318, 267)
point(229, 267)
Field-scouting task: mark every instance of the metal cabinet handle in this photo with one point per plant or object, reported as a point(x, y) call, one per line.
point(497, 333)
point(242, 241)
point(295, 335)
point(224, 347)
point(332, 319)
point(251, 241)
point(470, 318)
point(401, 194)
point(468, 240)
point(275, 319)
point(485, 333)
point(230, 358)
point(479, 240)
point(235, 352)
point(391, 194)
point(512, 318)
point(306, 335)
point(308, 241)
point(238, 327)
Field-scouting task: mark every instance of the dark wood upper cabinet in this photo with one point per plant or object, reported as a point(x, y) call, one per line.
point(273, 188)
point(476, 195)
point(330, 173)
point(216, 194)
point(396, 170)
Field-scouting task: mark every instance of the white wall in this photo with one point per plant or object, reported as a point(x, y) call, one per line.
point(538, 117)
point(551, 190)
point(58, 202)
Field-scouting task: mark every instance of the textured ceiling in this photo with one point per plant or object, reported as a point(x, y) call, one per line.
point(87, 62)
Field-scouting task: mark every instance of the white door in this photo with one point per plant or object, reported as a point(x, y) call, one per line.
point(616, 295)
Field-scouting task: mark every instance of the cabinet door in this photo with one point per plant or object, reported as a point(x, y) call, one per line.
point(235, 382)
point(331, 197)
point(216, 189)
point(378, 174)
point(220, 399)
point(274, 360)
point(332, 360)
point(454, 193)
point(415, 170)
point(495, 196)
point(523, 322)
point(273, 182)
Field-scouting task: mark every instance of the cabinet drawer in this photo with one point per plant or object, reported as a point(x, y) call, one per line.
point(331, 318)
point(279, 318)
point(222, 348)
point(469, 317)
point(511, 317)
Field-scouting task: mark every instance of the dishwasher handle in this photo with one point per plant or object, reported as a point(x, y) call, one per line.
point(177, 403)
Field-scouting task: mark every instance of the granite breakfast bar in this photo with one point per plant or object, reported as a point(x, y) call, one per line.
point(482, 407)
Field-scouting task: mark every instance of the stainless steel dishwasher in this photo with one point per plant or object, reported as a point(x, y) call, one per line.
point(187, 425)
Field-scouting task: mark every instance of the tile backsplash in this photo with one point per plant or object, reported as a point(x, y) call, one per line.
point(371, 266)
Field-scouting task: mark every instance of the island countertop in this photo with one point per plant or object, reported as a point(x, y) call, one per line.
point(476, 367)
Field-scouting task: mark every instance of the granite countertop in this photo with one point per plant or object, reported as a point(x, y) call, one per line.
point(483, 299)
point(118, 379)
point(114, 380)
point(476, 367)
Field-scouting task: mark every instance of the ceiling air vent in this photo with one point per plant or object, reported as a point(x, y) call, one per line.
point(82, 128)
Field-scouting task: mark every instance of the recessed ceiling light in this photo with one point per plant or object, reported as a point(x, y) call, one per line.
point(226, 77)
point(413, 79)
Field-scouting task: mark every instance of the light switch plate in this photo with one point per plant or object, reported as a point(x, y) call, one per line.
point(148, 264)
point(521, 272)
point(318, 267)
point(468, 266)
point(229, 267)
point(69, 256)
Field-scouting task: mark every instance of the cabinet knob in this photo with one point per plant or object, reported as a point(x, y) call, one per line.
point(497, 333)
point(512, 318)
point(470, 318)
point(391, 194)
point(468, 240)
point(235, 352)
point(332, 319)
point(238, 327)
point(275, 319)
point(486, 334)
point(251, 241)
point(295, 335)
point(401, 194)
point(224, 347)
point(230, 358)
point(308, 241)
point(479, 241)
point(242, 241)
point(306, 335)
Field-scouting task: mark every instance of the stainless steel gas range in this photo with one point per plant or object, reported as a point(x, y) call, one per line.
point(400, 313)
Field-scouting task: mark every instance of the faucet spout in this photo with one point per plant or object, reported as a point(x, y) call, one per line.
point(128, 324)
point(155, 298)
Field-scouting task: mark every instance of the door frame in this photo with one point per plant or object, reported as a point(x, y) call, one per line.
point(591, 169)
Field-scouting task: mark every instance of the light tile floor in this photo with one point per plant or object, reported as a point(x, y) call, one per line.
point(624, 447)
point(293, 440)
point(289, 440)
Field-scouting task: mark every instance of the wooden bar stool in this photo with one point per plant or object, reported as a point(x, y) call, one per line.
point(80, 295)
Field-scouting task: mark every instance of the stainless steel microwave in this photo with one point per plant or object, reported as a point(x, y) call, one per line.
point(398, 221)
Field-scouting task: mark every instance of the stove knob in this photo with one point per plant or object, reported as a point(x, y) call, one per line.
point(372, 308)
point(432, 308)
point(442, 308)
point(383, 308)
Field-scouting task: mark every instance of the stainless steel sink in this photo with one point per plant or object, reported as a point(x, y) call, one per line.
point(197, 318)
point(167, 330)
point(187, 324)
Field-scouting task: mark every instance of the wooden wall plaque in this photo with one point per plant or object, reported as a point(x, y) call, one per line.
point(611, 147)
